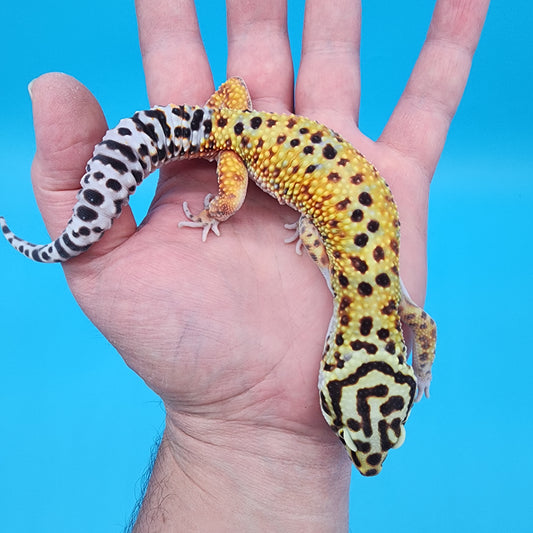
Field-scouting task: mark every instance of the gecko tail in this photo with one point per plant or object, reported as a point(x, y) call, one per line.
point(62, 249)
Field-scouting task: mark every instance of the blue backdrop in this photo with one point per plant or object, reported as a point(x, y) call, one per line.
point(77, 426)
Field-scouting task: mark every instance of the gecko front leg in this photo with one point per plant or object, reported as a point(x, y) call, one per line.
point(424, 332)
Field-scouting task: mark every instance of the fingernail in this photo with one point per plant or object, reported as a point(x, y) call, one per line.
point(30, 85)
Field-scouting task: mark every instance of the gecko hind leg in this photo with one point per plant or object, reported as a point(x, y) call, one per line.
point(232, 184)
point(231, 171)
point(307, 236)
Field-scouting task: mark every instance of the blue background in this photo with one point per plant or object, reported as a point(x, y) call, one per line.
point(78, 427)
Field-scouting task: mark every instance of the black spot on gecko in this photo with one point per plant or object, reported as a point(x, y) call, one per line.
point(383, 333)
point(345, 302)
point(316, 138)
point(359, 264)
point(373, 459)
point(60, 250)
point(197, 117)
point(357, 179)
point(255, 122)
point(357, 215)
point(124, 149)
point(138, 175)
point(396, 426)
point(291, 123)
point(364, 288)
point(222, 122)
point(124, 132)
point(86, 213)
point(113, 184)
point(379, 254)
point(385, 442)
point(365, 199)
point(394, 246)
point(84, 230)
point(324, 404)
point(72, 246)
point(143, 151)
point(93, 197)
point(161, 118)
point(365, 325)
point(208, 126)
point(308, 150)
point(361, 240)
point(339, 340)
point(383, 280)
point(115, 164)
point(342, 162)
point(394, 403)
point(281, 139)
point(310, 168)
point(334, 177)
point(343, 204)
point(329, 152)
point(373, 226)
point(238, 128)
point(363, 407)
point(271, 122)
point(294, 142)
point(162, 154)
point(389, 308)
point(303, 131)
point(354, 425)
point(343, 280)
point(390, 347)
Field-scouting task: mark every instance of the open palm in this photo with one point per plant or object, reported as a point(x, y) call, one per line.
point(229, 332)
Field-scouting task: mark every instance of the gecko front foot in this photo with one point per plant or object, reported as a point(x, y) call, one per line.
point(295, 237)
point(202, 220)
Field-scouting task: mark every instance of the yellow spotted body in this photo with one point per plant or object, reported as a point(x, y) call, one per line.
point(349, 225)
point(351, 207)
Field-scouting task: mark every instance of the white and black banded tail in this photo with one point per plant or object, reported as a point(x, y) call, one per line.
point(125, 156)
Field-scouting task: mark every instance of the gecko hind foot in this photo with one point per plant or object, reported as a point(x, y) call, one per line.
point(201, 220)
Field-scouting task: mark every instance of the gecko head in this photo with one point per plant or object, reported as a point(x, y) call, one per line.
point(368, 456)
point(368, 410)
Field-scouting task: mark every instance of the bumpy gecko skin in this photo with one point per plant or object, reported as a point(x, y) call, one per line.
point(349, 226)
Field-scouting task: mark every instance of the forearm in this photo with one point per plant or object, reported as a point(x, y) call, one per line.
point(266, 481)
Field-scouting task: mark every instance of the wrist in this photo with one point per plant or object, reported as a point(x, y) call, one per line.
point(218, 476)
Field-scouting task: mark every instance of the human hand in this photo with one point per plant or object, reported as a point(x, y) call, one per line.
point(229, 333)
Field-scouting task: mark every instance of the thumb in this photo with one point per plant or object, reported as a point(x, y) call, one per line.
point(68, 124)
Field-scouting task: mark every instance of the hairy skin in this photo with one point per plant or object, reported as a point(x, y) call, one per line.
point(225, 343)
